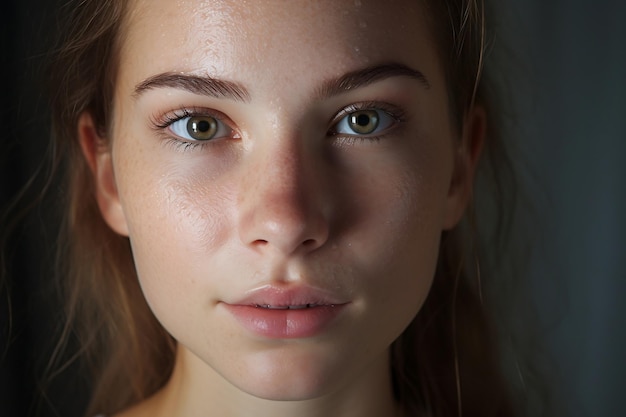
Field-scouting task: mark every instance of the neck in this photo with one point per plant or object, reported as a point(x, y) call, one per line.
point(196, 390)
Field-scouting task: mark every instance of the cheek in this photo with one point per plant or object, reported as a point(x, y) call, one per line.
point(178, 218)
point(193, 211)
point(395, 234)
point(408, 234)
point(398, 212)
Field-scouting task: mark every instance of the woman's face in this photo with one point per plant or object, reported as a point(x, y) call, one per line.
point(284, 171)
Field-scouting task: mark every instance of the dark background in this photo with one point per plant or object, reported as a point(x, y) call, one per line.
point(568, 79)
point(29, 313)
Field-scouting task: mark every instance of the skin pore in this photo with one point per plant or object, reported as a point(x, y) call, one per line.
point(285, 196)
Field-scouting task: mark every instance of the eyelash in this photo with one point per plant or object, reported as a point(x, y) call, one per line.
point(394, 112)
point(162, 123)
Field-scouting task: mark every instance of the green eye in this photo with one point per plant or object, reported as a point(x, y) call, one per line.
point(363, 122)
point(198, 126)
point(366, 123)
point(202, 127)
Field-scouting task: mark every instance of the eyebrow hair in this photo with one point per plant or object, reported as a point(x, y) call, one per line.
point(369, 75)
point(196, 84)
point(214, 87)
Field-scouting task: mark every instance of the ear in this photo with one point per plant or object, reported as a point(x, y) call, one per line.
point(98, 156)
point(466, 155)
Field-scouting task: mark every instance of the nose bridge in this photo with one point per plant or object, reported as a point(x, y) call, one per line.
point(283, 204)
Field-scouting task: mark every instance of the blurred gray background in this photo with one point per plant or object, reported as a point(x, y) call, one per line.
point(568, 77)
point(572, 113)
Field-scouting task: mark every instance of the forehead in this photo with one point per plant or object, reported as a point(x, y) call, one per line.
point(240, 39)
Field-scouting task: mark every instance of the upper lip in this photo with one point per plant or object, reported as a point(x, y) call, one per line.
point(292, 297)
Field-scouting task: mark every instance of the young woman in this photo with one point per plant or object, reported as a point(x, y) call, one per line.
point(264, 206)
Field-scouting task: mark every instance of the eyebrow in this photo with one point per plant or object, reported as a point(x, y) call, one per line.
point(363, 77)
point(217, 88)
point(196, 84)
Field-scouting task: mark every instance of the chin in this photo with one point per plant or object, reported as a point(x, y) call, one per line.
point(288, 376)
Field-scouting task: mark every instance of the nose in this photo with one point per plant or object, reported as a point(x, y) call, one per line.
point(284, 204)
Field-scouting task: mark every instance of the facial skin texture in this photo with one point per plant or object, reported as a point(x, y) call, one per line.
point(281, 200)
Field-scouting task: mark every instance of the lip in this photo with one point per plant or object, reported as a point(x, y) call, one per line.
point(286, 313)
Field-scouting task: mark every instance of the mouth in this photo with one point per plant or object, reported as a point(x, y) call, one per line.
point(287, 313)
point(291, 307)
point(297, 297)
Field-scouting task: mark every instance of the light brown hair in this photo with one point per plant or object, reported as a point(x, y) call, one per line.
point(444, 364)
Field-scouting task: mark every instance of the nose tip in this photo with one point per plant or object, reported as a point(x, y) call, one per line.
point(285, 208)
point(289, 233)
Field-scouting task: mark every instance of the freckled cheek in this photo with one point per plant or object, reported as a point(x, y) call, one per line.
point(178, 213)
point(191, 213)
point(396, 240)
point(178, 220)
point(398, 213)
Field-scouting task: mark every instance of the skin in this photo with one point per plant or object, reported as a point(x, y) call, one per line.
point(281, 199)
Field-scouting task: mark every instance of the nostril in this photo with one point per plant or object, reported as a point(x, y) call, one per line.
point(287, 226)
point(309, 242)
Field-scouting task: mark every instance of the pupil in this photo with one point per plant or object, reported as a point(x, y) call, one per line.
point(362, 120)
point(203, 126)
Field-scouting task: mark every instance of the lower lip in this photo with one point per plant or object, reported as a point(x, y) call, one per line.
point(285, 324)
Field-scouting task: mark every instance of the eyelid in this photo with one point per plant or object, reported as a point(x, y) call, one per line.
point(162, 122)
point(393, 111)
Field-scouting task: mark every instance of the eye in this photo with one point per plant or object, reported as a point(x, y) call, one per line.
point(364, 122)
point(199, 128)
